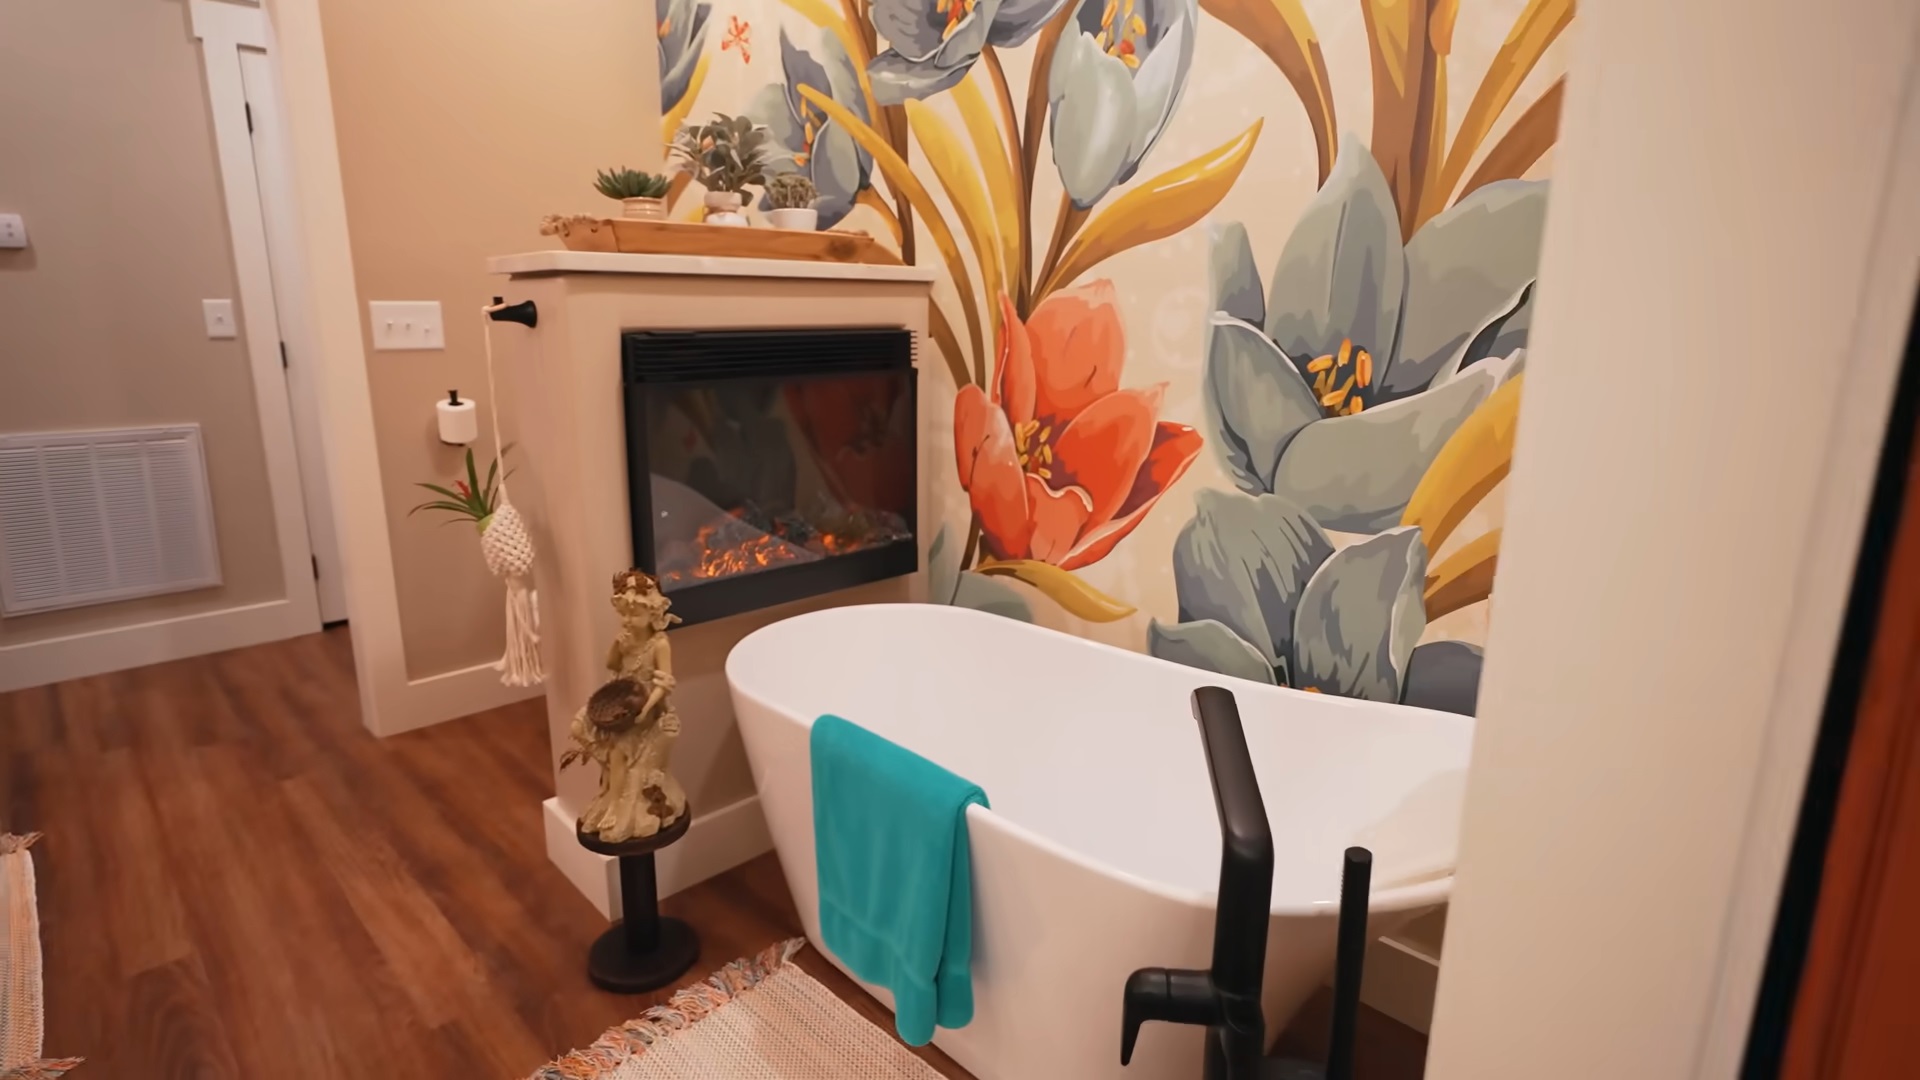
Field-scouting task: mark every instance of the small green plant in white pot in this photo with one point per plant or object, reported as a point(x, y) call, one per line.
point(642, 195)
point(791, 196)
point(725, 154)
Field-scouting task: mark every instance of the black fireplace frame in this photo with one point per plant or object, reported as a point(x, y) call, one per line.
point(691, 359)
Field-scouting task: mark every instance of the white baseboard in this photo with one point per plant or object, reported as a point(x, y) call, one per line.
point(76, 656)
point(449, 695)
point(714, 844)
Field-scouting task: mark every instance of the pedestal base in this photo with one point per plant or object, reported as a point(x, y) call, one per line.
point(644, 950)
point(614, 965)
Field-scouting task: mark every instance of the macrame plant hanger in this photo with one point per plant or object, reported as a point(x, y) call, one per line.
point(508, 549)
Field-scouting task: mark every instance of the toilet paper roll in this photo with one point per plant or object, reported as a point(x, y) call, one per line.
point(459, 422)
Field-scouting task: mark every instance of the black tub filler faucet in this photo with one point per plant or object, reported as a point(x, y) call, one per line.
point(1226, 997)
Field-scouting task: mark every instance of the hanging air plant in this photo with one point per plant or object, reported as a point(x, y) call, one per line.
point(468, 499)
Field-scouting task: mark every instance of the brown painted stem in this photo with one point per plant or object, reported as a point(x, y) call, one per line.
point(1038, 77)
point(1065, 225)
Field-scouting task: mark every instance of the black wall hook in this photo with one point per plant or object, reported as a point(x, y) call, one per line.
point(523, 313)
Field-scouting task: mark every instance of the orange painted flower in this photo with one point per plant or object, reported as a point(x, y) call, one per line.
point(1060, 462)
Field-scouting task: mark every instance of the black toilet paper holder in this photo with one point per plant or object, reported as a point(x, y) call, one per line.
point(523, 313)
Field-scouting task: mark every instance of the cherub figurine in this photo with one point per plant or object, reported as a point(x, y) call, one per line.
point(628, 726)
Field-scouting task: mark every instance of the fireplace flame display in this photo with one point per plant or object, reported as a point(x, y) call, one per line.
point(765, 466)
point(745, 542)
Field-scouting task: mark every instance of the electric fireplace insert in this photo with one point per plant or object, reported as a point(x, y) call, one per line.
point(769, 465)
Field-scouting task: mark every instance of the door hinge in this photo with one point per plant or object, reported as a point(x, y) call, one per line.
point(249, 108)
point(283, 356)
point(316, 566)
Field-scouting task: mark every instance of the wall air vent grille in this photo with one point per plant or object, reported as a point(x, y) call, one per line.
point(90, 517)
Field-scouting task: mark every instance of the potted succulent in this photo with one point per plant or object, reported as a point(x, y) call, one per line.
point(642, 195)
point(791, 196)
point(725, 154)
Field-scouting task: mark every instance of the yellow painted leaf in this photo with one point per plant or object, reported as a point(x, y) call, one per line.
point(1532, 32)
point(1464, 577)
point(1155, 209)
point(1063, 587)
point(901, 176)
point(948, 343)
point(1440, 25)
point(1532, 135)
point(1281, 29)
point(996, 168)
point(953, 166)
point(1472, 462)
point(824, 17)
point(871, 199)
point(671, 120)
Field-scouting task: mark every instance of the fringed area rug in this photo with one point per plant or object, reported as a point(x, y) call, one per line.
point(22, 1022)
point(761, 1018)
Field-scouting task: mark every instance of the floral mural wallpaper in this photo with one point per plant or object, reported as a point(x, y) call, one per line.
point(1233, 303)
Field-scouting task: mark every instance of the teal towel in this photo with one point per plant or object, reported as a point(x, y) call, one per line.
point(896, 881)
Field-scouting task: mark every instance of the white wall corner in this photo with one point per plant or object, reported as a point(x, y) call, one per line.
point(449, 695)
point(714, 844)
point(1399, 981)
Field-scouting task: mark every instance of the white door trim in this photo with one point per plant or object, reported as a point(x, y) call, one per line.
point(223, 30)
point(277, 215)
point(329, 331)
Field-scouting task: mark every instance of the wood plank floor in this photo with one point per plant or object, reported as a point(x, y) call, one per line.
point(238, 881)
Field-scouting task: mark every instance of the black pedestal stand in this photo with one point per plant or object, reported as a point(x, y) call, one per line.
point(643, 951)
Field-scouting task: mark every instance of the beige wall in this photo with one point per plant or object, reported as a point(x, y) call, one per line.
point(460, 124)
point(107, 149)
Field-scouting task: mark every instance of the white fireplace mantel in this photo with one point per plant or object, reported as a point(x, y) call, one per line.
point(603, 262)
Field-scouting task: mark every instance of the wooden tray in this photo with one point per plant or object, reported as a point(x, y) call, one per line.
point(637, 237)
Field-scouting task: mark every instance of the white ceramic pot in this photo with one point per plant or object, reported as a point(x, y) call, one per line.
point(644, 209)
point(723, 208)
point(804, 219)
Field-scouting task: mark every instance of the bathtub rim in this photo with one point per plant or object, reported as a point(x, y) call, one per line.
point(1428, 893)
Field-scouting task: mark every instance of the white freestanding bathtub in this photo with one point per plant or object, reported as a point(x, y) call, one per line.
point(1101, 852)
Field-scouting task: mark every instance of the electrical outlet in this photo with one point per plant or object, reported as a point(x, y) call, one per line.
point(406, 324)
point(13, 231)
point(219, 316)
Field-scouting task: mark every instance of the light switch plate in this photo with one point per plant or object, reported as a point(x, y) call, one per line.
point(406, 324)
point(13, 231)
point(219, 315)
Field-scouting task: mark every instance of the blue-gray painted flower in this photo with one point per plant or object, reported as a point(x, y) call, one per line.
point(1337, 384)
point(1117, 75)
point(932, 44)
point(1265, 596)
point(680, 27)
point(809, 143)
